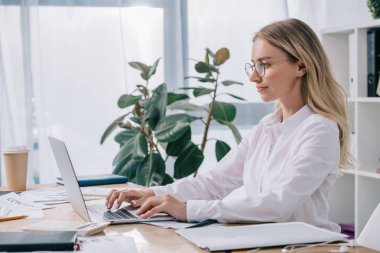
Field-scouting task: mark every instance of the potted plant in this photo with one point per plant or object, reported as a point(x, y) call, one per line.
point(149, 135)
point(374, 8)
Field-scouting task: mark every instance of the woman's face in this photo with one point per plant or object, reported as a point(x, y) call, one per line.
point(282, 78)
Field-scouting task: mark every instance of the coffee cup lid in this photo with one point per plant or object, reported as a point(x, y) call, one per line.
point(15, 150)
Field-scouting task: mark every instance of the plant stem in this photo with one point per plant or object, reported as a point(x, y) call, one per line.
point(209, 118)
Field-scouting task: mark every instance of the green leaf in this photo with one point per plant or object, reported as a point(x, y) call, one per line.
point(186, 106)
point(188, 162)
point(128, 168)
point(126, 135)
point(201, 91)
point(117, 167)
point(152, 69)
point(140, 149)
point(234, 96)
point(125, 151)
point(202, 67)
point(151, 115)
point(233, 128)
point(188, 88)
point(144, 69)
point(151, 171)
point(172, 127)
point(221, 56)
point(160, 98)
point(206, 79)
point(221, 149)
point(155, 106)
point(229, 82)
point(211, 54)
point(167, 180)
point(135, 119)
point(112, 127)
point(207, 59)
point(173, 97)
point(174, 148)
point(127, 100)
point(224, 111)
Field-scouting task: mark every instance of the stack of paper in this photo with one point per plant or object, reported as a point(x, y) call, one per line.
point(255, 236)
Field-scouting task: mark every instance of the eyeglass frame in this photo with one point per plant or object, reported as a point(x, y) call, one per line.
point(250, 66)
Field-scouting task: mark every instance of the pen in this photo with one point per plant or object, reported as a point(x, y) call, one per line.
point(203, 223)
point(13, 217)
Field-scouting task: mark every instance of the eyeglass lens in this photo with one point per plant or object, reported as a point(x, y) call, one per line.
point(258, 66)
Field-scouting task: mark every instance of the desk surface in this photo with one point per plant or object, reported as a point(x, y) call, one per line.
point(147, 238)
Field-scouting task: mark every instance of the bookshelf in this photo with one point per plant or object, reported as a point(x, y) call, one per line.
point(357, 191)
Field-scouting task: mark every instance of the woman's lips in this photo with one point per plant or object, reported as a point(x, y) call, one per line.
point(260, 89)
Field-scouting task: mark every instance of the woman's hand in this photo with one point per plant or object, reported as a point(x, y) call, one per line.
point(135, 196)
point(163, 204)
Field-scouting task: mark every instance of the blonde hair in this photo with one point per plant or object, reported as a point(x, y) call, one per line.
point(319, 88)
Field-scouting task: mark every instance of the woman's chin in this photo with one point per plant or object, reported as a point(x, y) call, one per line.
point(267, 98)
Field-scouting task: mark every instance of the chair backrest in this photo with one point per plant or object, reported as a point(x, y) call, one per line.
point(370, 236)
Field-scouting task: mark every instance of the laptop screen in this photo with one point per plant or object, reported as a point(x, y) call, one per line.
point(69, 177)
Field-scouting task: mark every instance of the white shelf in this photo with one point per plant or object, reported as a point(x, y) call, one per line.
point(349, 171)
point(363, 173)
point(350, 28)
point(356, 193)
point(365, 99)
point(368, 174)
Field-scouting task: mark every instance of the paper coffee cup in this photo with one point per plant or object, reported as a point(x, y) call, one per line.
point(16, 164)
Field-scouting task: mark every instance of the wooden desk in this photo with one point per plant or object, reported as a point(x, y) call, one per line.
point(147, 238)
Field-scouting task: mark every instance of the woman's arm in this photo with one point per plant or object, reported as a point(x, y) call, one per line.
point(215, 184)
point(317, 157)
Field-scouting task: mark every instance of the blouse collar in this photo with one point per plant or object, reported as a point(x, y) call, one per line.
point(290, 124)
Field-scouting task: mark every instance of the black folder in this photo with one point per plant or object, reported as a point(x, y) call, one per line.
point(37, 241)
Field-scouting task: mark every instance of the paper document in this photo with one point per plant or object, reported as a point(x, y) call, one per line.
point(259, 235)
point(12, 204)
point(101, 244)
point(51, 196)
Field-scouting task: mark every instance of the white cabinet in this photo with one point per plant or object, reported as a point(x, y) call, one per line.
point(357, 191)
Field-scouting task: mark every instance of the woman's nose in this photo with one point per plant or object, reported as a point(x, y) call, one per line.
point(255, 77)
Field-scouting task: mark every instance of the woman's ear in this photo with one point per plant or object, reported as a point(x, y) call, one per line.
point(301, 69)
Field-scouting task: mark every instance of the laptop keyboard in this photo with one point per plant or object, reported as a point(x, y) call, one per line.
point(120, 214)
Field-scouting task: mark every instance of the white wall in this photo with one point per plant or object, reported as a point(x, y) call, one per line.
point(346, 12)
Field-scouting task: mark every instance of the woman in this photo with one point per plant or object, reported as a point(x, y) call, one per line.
point(289, 163)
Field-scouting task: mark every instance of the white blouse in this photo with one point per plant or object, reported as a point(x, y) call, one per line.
point(287, 170)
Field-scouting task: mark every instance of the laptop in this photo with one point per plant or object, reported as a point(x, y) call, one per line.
point(92, 212)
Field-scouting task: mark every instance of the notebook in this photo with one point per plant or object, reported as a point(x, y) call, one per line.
point(37, 241)
point(98, 179)
point(92, 212)
point(257, 236)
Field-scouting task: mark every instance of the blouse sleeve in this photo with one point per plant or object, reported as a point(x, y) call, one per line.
point(317, 156)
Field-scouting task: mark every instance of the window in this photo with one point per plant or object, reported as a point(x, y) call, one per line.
point(75, 54)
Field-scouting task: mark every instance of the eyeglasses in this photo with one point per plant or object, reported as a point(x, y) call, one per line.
point(260, 67)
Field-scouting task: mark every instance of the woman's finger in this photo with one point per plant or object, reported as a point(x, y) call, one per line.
point(149, 204)
point(126, 195)
point(109, 196)
point(153, 211)
point(112, 199)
